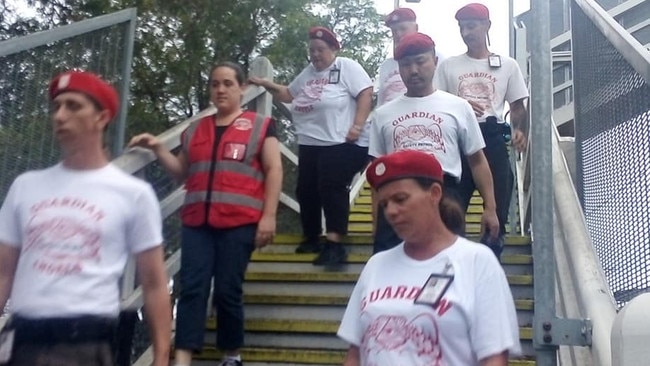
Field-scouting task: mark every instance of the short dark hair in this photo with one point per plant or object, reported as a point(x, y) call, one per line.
point(240, 75)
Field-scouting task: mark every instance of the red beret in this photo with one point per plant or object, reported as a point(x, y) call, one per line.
point(401, 165)
point(400, 15)
point(325, 35)
point(88, 83)
point(473, 11)
point(413, 44)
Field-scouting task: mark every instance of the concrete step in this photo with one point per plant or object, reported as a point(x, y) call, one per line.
point(471, 228)
point(297, 356)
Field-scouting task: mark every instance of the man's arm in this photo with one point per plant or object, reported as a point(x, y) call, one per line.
point(496, 360)
point(8, 263)
point(352, 357)
point(483, 179)
point(519, 121)
point(154, 280)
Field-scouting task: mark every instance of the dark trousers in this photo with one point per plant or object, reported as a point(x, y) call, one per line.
point(78, 341)
point(62, 354)
point(222, 254)
point(386, 237)
point(496, 153)
point(324, 177)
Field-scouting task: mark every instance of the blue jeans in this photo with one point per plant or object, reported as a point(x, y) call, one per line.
point(206, 253)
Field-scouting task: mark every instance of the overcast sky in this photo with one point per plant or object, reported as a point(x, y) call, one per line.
point(436, 18)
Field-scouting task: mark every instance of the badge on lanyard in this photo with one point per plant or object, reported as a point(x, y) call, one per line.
point(6, 345)
point(494, 61)
point(335, 76)
point(435, 287)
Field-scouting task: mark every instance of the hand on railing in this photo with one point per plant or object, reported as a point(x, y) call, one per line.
point(145, 140)
point(519, 140)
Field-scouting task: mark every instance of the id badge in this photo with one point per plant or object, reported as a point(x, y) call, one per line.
point(6, 345)
point(494, 61)
point(234, 151)
point(434, 289)
point(335, 76)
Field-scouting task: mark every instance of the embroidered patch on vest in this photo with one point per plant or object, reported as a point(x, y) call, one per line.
point(242, 124)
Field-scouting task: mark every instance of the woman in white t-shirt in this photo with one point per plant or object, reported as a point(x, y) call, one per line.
point(330, 102)
point(436, 299)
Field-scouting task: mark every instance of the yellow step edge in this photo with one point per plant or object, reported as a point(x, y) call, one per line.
point(367, 209)
point(470, 227)
point(368, 200)
point(283, 356)
point(340, 300)
point(285, 238)
point(367, 218)
point(520, 280)
point(362, 258)
point(311, 326)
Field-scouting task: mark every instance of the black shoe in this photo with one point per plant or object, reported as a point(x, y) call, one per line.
point(309, 246)
point(231, 362)
point(333, 254)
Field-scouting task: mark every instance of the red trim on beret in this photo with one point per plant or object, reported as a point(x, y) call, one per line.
point(88, 83)
point(325, 35)
point(473, 11)
point(402, 165)
point(399, 15)
point(413, 44)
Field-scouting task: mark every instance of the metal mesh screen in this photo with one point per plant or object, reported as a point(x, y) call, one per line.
point(26, 140)
point(612, 117)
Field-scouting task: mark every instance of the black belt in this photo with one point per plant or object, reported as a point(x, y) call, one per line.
point(63, 330)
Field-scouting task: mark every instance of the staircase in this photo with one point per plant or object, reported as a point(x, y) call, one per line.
point(293, 308)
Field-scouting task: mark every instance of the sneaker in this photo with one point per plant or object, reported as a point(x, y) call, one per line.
point(231, 362)
point(332, 254)
point(308, 246)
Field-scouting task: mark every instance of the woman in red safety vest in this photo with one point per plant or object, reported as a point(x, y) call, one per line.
point(231, 165)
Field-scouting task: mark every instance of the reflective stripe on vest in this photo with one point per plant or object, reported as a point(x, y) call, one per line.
point(224, 197)
point(223, 166)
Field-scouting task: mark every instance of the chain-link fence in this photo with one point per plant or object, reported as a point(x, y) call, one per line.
point(612, 117)
point(26, 140)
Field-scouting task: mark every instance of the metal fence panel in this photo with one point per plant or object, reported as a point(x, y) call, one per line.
point(26, 140)
point(612, 117)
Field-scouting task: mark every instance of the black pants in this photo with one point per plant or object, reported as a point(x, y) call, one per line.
point(496, 153)
point(324, 177)
point(206, 253)
point(386, 238)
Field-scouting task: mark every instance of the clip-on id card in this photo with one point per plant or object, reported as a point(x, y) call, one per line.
point(434, 289)
point(494, 61)
point(335, 76)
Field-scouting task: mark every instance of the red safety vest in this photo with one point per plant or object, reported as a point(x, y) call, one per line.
point(225, 184)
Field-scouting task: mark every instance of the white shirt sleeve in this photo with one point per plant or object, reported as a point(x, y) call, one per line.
point(354, 77)
point(144, 230)
point(350, 328)
point(10, 233)
point(296, 85)
point(469, 133)
point(494, 326)
point(376, 145)
point(516, 85)
point(440, 78)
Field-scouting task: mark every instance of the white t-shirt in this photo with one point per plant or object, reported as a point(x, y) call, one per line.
point(440, 124)
point(323, 111)
point(389, 83)
point(475, 318)
point(475, 80)
point(75, 230)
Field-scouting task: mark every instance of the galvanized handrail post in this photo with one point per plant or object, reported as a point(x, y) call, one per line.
point(542, 210)
point(127, 62)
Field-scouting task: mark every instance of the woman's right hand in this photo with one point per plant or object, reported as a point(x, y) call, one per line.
point(145, 140)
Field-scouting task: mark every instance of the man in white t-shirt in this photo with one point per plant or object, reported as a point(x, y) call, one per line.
point(432, 121)
point(401, 21)
point(66, 233)
point(487, 80)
